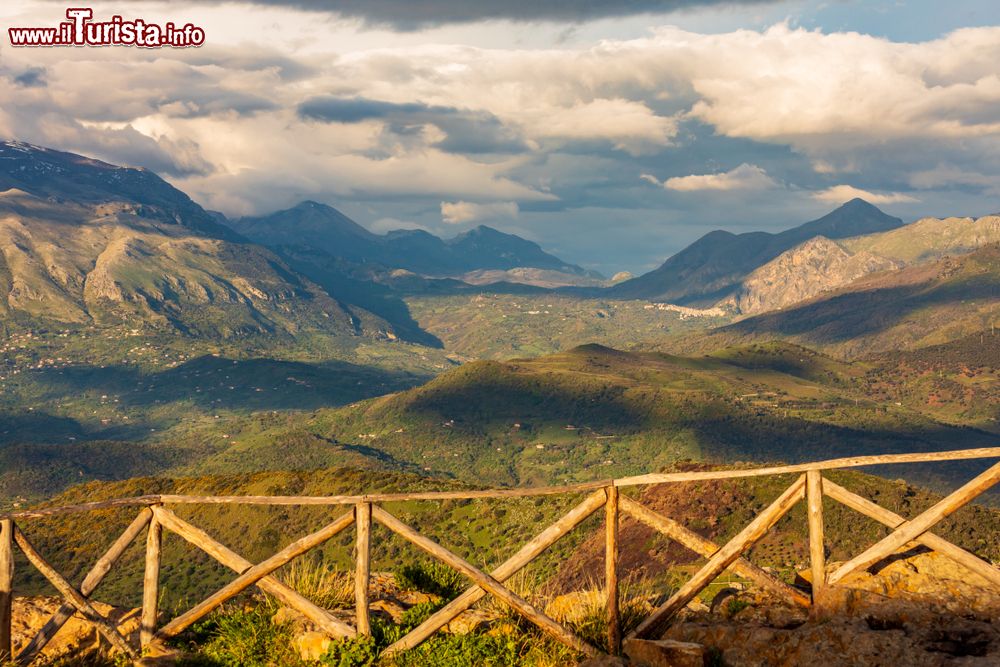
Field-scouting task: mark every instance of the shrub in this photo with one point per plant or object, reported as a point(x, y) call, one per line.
point(243, 638)
point(431, 577)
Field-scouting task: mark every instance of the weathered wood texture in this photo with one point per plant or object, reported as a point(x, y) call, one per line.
point(254, 574)
point(270, 585)
point(892, 520)
point(507, 569)
point(849, 462)
point(722, 559)
point(6, 587)
point(919, 525)
point(362, 567)
point(656, 478)
point(484, 581)
point(90, 583)
point(72, 595)
point(817, 549)
point(151, 583)
point(705, 547)
point(811, 486)
point(611, 570)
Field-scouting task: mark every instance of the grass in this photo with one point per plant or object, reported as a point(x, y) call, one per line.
point(322, 583)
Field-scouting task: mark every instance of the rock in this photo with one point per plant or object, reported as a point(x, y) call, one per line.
point(574, 607)
point(603, 661)
point(470, 620)
point(78, 637)
point(664, 653)
point(413, 598)
point(927, 577)
point(312, 646)
point(158, 654)
point(389, 608)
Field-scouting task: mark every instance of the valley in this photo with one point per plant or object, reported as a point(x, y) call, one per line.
point(206, 353)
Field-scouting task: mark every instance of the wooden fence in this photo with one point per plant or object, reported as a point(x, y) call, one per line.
point(154, 516)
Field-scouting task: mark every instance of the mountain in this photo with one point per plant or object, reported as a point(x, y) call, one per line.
point(85, 242)
point(820, 264)
point(913, 307)
point(326, 229)
point(713, 267)
point(808, 269)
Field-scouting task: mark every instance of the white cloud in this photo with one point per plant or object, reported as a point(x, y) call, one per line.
point(839, 194)
point(455, 213)
point(744, 177)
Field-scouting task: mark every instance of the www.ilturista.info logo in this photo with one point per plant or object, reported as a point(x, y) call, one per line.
point(81, 30)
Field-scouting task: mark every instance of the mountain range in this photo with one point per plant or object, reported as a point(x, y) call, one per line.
point(323, 228)
point(85, 242)
point(713, 267)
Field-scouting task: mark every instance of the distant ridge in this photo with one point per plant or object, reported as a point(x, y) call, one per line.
point(712, 267)
point(326, 229)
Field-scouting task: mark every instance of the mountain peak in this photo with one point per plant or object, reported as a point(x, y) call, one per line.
point(853, 218)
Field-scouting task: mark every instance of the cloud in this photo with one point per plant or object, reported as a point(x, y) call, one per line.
point(744, 177)
point(410, 15)
point(839, 194)
point(465, 131)
point(944, 175)
point(455, 213)
point(31, 77)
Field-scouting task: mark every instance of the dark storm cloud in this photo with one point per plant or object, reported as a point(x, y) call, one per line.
point(466, 131)
point(412, 15)
point(356, 109)
point(33, 77)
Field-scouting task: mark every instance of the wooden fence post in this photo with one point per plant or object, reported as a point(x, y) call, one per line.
point(363, 519)
point(611, 570)
point(151, 583)
point(817, 554)
point(722, 559)
point(6, 587)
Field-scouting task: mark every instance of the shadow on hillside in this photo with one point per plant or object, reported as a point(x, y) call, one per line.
point(487, 392)
point(35, 426)
point(38, 469)
point(846, 316)
point(217, 382)
point(794, 440)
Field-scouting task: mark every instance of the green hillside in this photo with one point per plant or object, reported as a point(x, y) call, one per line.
point(492, 325)
point(908, 309)
point(593, 412)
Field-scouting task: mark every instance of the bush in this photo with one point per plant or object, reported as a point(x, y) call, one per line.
point(431, 577)
point(243, 638)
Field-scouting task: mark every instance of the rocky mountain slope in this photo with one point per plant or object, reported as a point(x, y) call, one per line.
point(917, 306)
point(820, 264)
point(713, 267)
point(84, 242)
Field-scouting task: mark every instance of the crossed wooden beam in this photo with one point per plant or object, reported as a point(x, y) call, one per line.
point(810, 486)
point(903, 532)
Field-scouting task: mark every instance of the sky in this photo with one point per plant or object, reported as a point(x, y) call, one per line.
point(613, 133)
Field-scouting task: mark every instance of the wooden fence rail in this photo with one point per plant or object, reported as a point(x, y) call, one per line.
point(153, 517)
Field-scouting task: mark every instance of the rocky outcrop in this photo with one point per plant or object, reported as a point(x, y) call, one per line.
point(78, 638)
point(820, 265)
point(915, 609)
point(816, 266)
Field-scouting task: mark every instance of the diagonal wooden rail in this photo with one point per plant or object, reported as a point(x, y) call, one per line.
point(811, 486)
